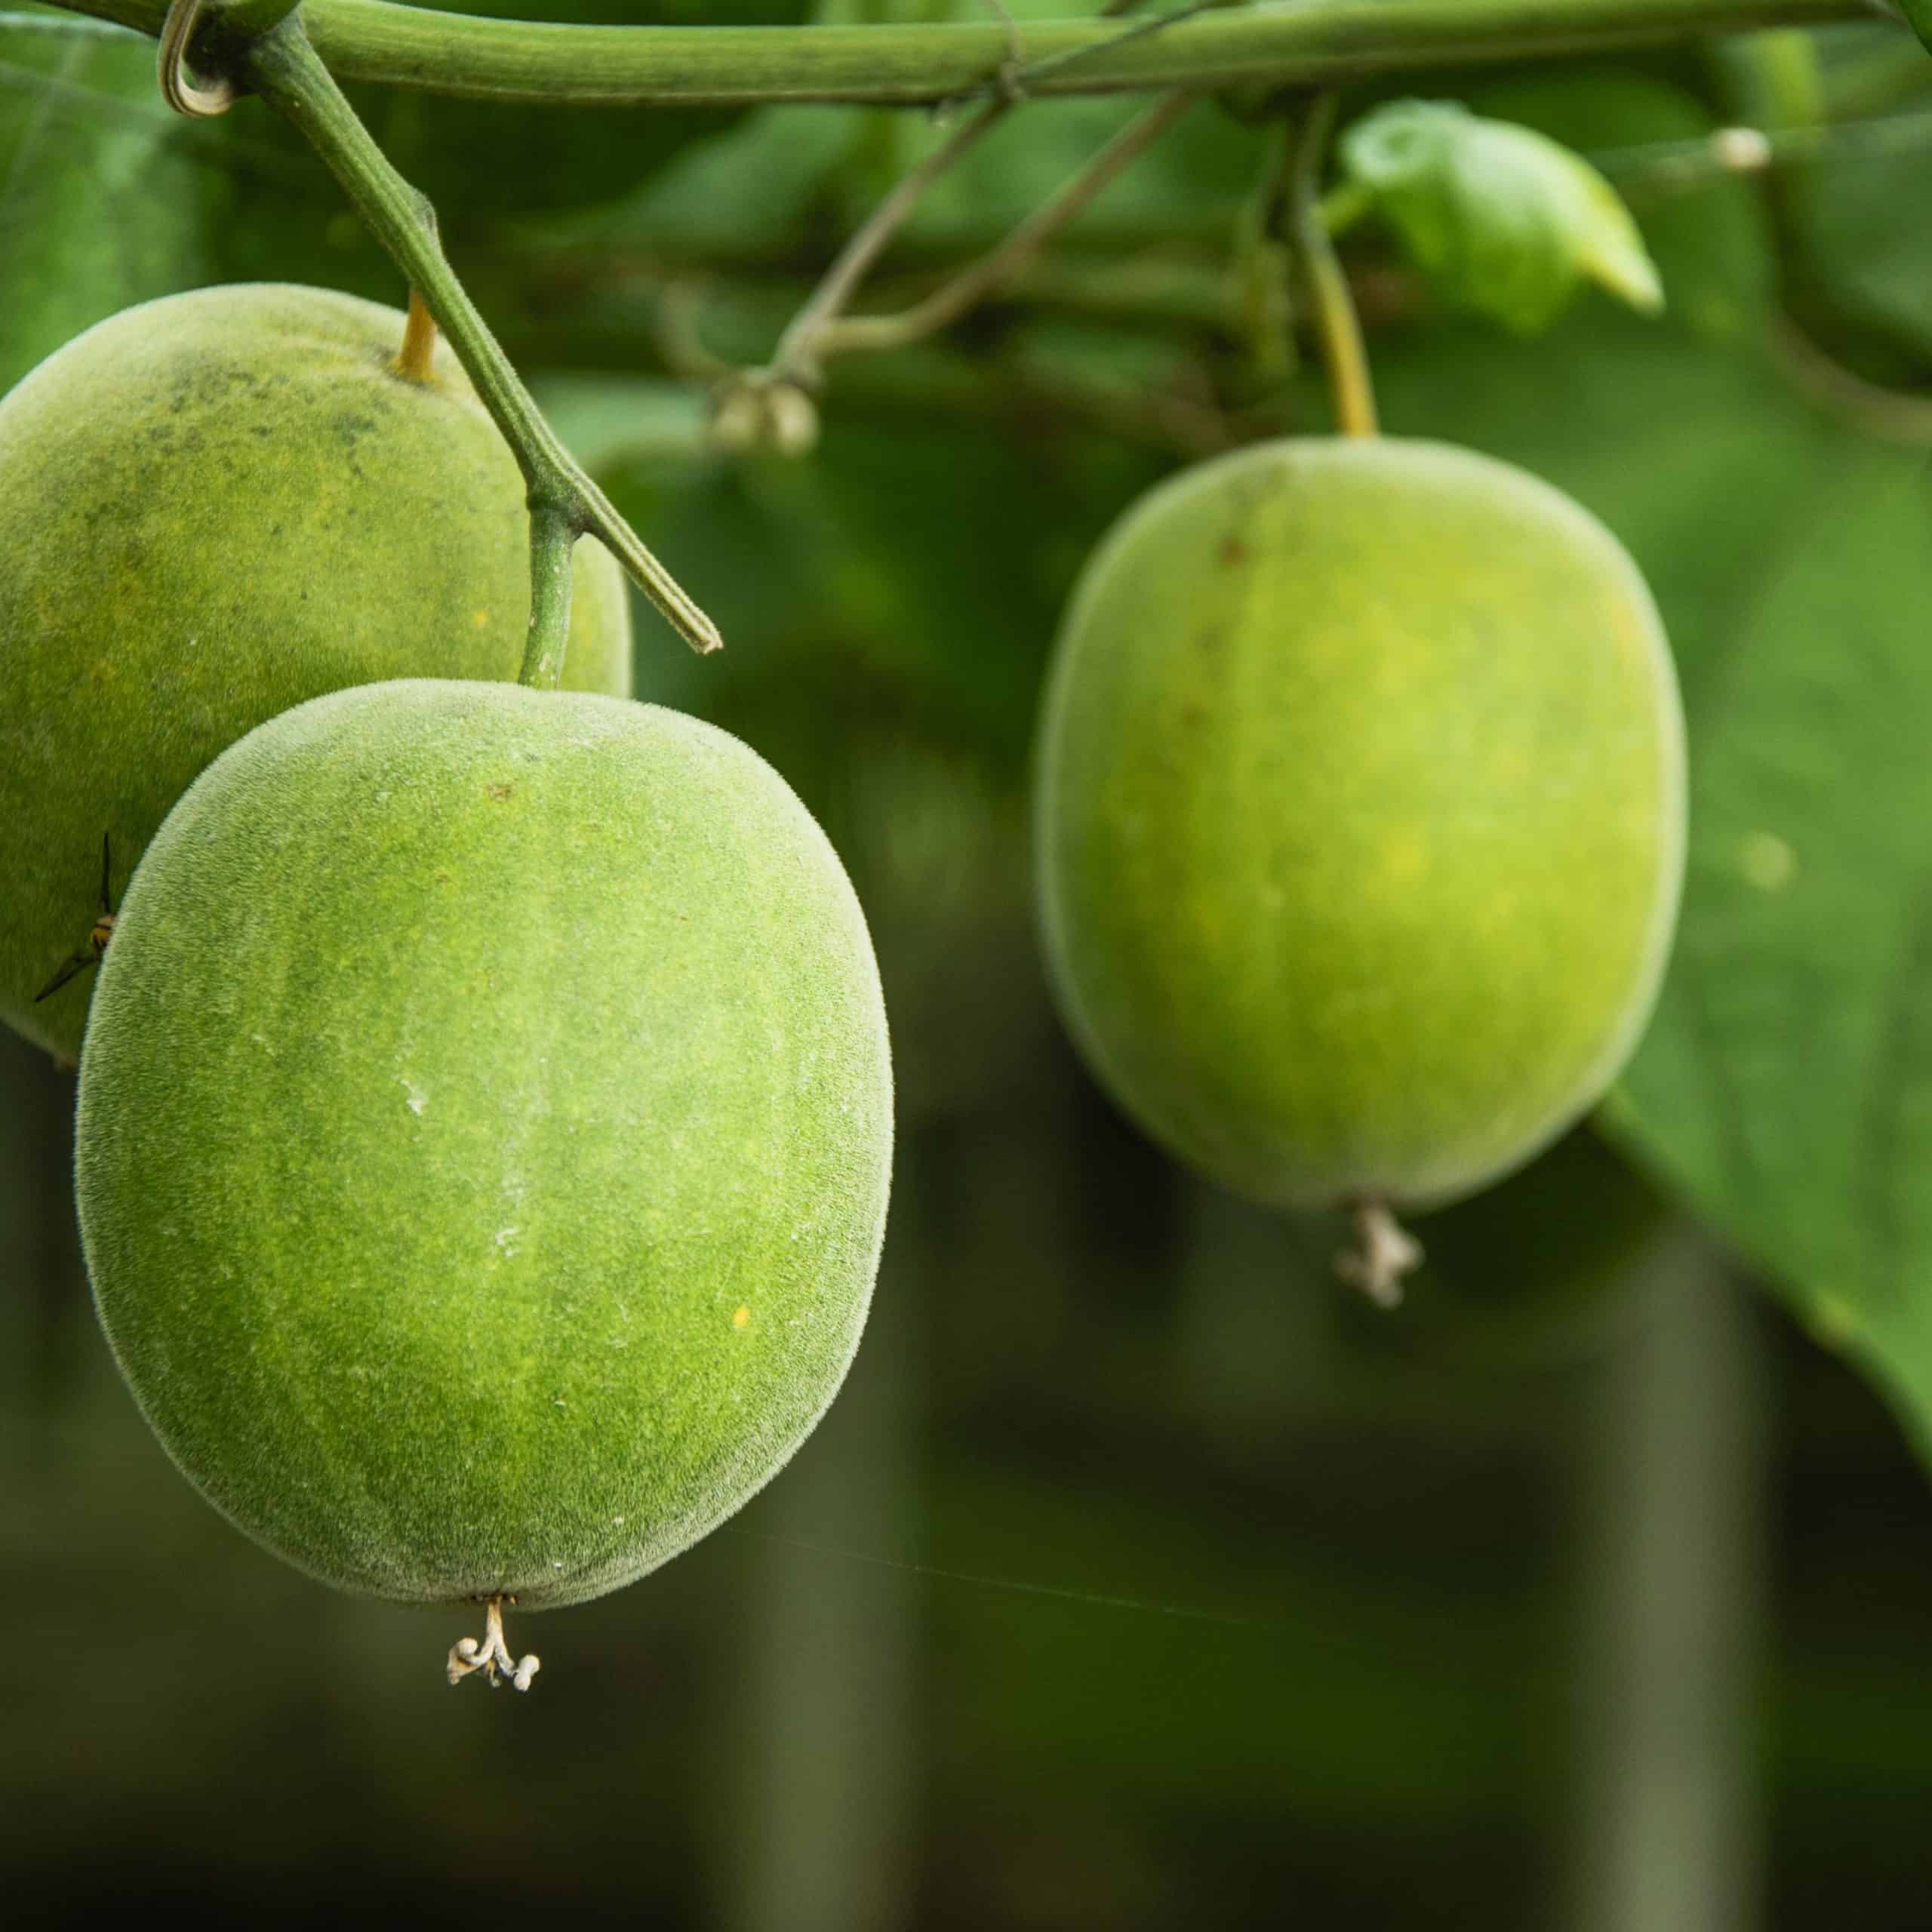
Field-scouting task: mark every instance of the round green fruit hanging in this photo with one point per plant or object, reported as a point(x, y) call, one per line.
point(212, 507)
point(1360, 819)
point(484, 1137)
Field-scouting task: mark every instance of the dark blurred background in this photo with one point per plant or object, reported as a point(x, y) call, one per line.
point(1141, 1576)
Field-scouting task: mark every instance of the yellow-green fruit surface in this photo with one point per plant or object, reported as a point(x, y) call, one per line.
point(1360, 816)
point(484, 1136)
point(212, 507)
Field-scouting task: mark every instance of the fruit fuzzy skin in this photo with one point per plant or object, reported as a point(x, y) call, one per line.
point(484, 1136)
point(212, 507)
point(1361, 818)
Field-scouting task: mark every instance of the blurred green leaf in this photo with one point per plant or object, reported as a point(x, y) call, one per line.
point(1852, 110)
point(608, 420)
point(105, 199)
point(751, 191)
point(1504, 219)
point(1708, 231)
point(1787, 1083)
point(1862, 254)
point(1205, 165)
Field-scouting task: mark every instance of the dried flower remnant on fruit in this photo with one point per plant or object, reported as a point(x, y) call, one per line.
point(491, 1654)
point(1384, 1252)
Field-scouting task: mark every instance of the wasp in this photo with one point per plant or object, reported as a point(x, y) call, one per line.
point(96, 941)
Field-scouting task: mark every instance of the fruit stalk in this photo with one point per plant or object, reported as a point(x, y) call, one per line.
point(552, 539)
point(1316, 43)
point(1342, 354)
point(286, 71)
point(416, 358)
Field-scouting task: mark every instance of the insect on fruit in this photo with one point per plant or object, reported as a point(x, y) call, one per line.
point(96, 941)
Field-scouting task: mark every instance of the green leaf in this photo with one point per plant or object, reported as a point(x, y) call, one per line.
point(1787, 1081)
point(1192, 181)
point(1859, 260)
point(104, 199)
point(741, 194)
point(1708, 231)
point(1502, 218)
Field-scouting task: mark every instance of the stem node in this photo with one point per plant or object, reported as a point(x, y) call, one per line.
point(1342, 354)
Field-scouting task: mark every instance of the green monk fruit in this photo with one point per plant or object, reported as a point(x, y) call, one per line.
point(1360, 820)
point(483, 1137)
point(212, 507)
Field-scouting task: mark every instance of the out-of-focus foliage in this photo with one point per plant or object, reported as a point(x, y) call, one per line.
point(1709, 235)
point(1857, 122)
point(1505, 219)
point(1920, 15)
point(106, 198)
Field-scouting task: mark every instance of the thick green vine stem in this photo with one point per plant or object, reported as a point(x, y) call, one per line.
point(286, 71)
point(1312, 43)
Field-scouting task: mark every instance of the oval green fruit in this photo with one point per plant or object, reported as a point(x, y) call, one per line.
point(484, 1136)
point(1360, 817)
point(212, 507)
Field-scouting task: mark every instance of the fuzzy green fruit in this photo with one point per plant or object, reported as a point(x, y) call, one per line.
point(1361, 818)
point(212, 507)
point(484, 1136)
